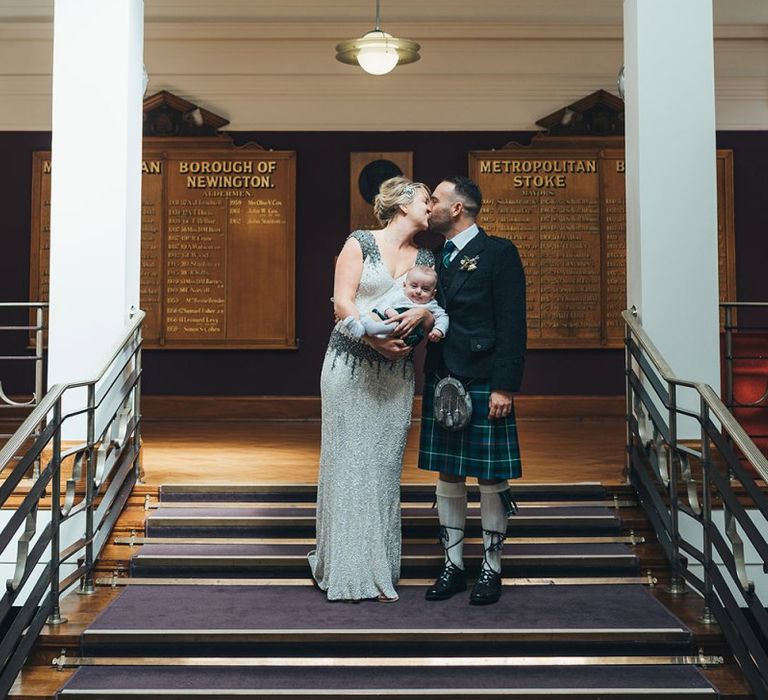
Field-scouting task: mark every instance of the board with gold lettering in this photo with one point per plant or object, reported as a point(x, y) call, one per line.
point(564, 208)
point(217, 243)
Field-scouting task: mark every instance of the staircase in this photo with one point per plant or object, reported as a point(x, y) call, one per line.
point(219, 601)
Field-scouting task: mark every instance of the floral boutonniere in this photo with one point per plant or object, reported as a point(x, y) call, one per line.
point(468, 264)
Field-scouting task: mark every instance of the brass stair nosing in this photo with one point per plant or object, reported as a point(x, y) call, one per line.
point(114, 581)
point(136, 540)
point(274, 505)
point(64, 661)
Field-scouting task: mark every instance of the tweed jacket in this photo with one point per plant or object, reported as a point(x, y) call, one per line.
point(485, 301)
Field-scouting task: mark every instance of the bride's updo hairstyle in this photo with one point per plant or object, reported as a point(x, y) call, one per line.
point(393, 194)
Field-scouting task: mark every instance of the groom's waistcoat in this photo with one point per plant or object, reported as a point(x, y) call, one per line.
point(483, 292)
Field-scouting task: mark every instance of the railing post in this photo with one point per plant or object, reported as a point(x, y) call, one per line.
point(729, 399)
point(629, 402)
point(55, 617)
point(39, 319)
point(729, 357)
point(137, 412)
point(87, 587)
point(706, 515)
point(677, 583)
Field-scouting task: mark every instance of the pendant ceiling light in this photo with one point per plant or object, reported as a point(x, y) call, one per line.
point(377, 52)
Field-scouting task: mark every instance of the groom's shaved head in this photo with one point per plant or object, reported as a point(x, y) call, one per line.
point(468, 193)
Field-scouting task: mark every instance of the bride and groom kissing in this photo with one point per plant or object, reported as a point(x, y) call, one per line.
point(472, 310)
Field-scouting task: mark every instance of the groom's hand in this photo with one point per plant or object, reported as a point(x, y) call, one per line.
point(409, 321)
point(391, 348)
point(500, 404)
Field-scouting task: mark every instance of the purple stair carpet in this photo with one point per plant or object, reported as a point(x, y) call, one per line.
point(298, 621)
point(304, 607)
point(246, 511)
point(616, 617)
point(476, 549)
point(289, 560)
point(255, 521)
point(677, 679)
point(410, 493)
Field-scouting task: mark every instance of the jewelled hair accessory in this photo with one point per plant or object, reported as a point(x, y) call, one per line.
point(409, 191)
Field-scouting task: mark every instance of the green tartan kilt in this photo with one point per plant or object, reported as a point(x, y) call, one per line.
point(486, 449)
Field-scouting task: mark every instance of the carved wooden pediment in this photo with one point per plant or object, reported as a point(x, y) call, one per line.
point(166, 114)
point(598, 114)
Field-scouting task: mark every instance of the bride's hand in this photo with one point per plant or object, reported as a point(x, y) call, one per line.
point(392, 348)
point(409, 320)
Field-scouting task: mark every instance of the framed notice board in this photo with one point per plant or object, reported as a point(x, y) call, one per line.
point(217, 243)
point(563, 205)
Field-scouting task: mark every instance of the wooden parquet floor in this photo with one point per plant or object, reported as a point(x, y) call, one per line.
point(553, 450)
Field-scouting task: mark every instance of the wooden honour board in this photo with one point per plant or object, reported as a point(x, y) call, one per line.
point(217, 244)
point(564, 208)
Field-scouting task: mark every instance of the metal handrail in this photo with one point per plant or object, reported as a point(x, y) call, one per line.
point(22, 304)
point(739, 436)
point(659, 466)
point(37, 310)
point(111, 452)
point(743, 304)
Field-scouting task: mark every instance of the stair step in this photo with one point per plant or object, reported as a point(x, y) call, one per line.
point(245, 520)
point(407, 681)
point(197, 620)
point(409, 492)
point(278, 559)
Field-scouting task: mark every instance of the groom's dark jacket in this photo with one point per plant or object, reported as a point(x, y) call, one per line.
point(483, 293)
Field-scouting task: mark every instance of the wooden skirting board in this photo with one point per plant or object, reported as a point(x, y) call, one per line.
point(243, 408)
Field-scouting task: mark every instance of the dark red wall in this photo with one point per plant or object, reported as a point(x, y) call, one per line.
point(322, 192)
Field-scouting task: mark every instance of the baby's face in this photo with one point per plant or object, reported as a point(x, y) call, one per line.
point(419, 288)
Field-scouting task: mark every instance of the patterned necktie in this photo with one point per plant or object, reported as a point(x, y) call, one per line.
point(448, 249)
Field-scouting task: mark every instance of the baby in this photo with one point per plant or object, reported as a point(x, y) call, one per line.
point(417, 290)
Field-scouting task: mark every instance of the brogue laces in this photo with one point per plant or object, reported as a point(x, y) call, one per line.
point(443, 537)
point(495, 545)
point(486, 576)
point(447, 572)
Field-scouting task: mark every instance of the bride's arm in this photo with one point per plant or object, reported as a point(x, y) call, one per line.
point(408, 320)
point(349, 270)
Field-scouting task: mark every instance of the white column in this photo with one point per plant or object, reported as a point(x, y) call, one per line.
point(672, 269)
point(95, 183)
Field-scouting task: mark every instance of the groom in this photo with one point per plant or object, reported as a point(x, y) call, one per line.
point(481, 285)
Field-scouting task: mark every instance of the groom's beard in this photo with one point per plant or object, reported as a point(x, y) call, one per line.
point(440, 225)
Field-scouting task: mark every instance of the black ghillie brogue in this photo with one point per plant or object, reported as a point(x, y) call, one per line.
point(451, 580)
point(487, 589)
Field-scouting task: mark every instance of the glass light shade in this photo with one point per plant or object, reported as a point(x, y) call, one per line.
point(377, 55)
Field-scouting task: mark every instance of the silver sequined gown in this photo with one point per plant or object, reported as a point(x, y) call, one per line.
point(366, 402)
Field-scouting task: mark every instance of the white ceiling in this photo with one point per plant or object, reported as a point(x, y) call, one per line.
point(529, 12)
point(486, 64)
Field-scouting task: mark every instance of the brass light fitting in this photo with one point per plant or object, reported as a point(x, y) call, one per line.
point(377, 52)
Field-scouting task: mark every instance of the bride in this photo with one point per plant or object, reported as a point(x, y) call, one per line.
point(367, 388)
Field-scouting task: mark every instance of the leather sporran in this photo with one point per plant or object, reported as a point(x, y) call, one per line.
point(452, 404)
